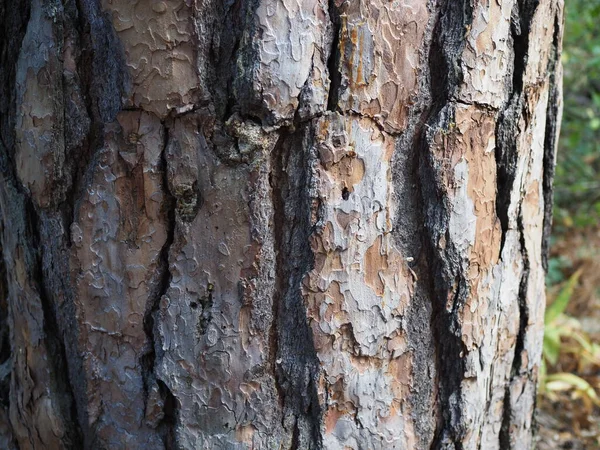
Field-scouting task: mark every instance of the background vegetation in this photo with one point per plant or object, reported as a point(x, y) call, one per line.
point(569, 415)
point(578, 170)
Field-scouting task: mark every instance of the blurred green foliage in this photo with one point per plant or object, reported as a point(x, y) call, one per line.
point(571, 349)
point(577, 183)
point(557, 267)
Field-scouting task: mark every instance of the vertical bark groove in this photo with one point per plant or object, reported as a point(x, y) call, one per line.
point(333, 61)
point(553, 120)
point(507, 419)
point(54, 337)
point(161, 412)
point(296, 363)
point(7, 439)
point(445, 53)
point(276, 184)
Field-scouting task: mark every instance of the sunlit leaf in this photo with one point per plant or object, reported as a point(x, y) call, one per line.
point(564, 381)
point(559, 305)
point(551, 346)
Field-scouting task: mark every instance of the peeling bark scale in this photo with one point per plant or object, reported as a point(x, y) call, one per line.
point(274, 224)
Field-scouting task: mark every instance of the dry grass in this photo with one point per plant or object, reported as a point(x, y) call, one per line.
point(565, 420)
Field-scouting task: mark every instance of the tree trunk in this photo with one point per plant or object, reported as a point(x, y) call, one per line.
point(275, 224)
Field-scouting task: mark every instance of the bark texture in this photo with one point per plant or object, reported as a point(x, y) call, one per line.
point(268, 224)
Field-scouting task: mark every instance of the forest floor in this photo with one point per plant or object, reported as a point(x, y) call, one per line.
point(570, 419)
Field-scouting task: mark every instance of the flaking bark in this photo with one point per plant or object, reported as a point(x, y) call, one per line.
point(259, 224)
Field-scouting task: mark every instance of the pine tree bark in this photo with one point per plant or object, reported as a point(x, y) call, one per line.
point(272, 224)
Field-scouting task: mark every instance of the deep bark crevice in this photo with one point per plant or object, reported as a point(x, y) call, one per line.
point(454, 18)
point(552, 130)
point(522, 299)
point(522, 17)
point(249, 101)
point(508, 120)
point(5, 349)
point(507, 154)
point(297, 366)
point(61, 377)
point(504, 437)
point(516, 368)
point(276, 180)
point(333, 62)
point(13, 26)
point(169, 420)
point(108, 74)
point(447, 279)
point(236, 18)
point(6, 355)
point(53, 337)
point(295, 445)
point(408, 236)
point(148, 358)
point(451, 369)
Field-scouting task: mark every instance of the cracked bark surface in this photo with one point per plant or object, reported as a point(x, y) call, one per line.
point(265, 224)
